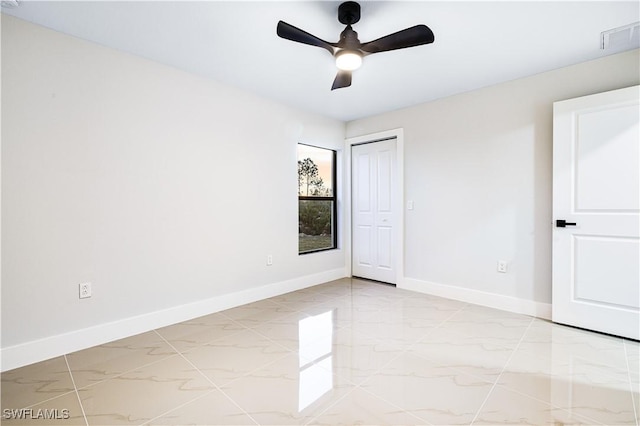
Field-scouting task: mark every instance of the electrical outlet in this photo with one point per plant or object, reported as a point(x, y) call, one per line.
point(84, 290)
point(269, 260)
point(502, 266)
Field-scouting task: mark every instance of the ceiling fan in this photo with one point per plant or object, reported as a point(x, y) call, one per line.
point(349, 51)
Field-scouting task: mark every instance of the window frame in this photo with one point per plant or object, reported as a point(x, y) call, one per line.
point(333, 198)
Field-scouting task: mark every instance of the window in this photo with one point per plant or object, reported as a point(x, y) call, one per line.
point(316, 199)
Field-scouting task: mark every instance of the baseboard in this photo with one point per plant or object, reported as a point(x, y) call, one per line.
point(50, 347)
point(492, 300)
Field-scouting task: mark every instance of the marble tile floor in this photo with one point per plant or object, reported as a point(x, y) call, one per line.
point(345, 352)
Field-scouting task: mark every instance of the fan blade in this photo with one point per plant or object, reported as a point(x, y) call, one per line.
point(414, 36)
point(289, 32)
point(343, 79)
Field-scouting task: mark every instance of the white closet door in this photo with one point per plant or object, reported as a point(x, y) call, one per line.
point(374, 219)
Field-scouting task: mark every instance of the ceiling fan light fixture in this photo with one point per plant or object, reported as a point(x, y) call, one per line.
point(349, 51)
point(348, 60)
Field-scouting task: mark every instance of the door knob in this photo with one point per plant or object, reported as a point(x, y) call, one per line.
point(561, 223)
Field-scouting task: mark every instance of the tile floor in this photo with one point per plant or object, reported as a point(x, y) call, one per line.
point(345, 352)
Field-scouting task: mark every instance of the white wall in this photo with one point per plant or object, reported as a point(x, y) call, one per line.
point(167, 191)
point(478, 168)
point(161, 188)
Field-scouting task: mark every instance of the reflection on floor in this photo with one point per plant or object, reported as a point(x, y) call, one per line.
point(345, 352)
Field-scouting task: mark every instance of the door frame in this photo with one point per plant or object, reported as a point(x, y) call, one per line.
point(398, 134)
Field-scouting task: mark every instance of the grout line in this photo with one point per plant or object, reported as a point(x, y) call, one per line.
point(46, 400)
point(196, 368)
point(244, 326)
point(178, 407)
point(238, 405)
point(633, 400)
point(242, 329)
point(216, 387)
point(190, 363)
point(422, 421)
point(502, 371)
point(273, 342)
point(212, 391)
point(117, 375)
point(76, 390)
point(355, 385)
point(554, 407)
point(431, 331)
point(401, 351)
point(288, 353)
point(313, 419)
point(137, 367)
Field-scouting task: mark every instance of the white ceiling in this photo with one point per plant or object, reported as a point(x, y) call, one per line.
point(477, 44)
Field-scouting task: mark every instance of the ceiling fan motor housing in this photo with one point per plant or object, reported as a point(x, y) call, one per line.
point(348, 51)
point(349, 13)
point(349, 39)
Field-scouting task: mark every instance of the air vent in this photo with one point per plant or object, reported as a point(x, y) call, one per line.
point(625, 37)
point(10, 4)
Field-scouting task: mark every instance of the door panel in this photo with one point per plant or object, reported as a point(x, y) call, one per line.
point(605, 147)
point(363, 248)
point(384, 245)
point(619, 272)
point(384, 169)
point(373, 198)
point(363, 184)
point(596, 185)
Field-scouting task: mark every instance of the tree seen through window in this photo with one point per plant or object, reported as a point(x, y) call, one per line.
point(316, 199)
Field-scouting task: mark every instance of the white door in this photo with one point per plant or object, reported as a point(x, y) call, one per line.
point(374, 219)
point(596, 191)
